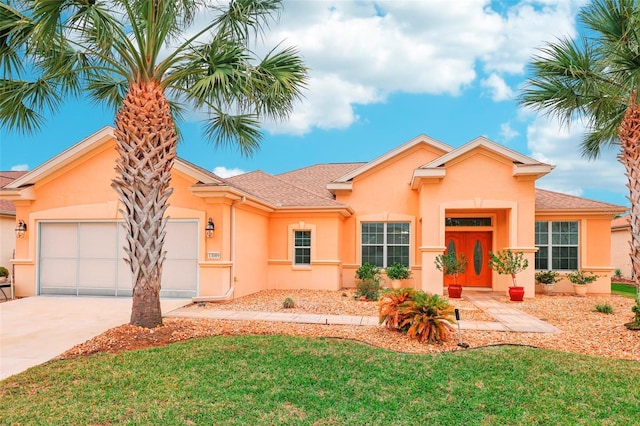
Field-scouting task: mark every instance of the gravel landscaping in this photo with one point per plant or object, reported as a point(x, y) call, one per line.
point(583, 330)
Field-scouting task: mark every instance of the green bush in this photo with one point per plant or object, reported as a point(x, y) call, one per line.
point(368, 285)
point(398, 271)
point(547, 277)
point(581, 277)
point(288, 303)
point(4, 272)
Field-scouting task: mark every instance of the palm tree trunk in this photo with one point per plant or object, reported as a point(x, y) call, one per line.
point(146, 143)
point(629, 135)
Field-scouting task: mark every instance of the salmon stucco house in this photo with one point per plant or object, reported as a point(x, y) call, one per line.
point(309, 228)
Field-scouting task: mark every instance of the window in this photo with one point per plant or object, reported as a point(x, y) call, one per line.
point(557, 244)
point(467, 221)
point(302, 247)
point(384, 243)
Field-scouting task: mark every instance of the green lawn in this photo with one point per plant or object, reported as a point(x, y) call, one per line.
point(623, 290)
point(249, 380)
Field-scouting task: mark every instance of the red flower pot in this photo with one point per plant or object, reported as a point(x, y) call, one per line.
point(516, 294)
point(455, 291)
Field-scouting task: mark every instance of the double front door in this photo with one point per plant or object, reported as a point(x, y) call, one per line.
point(475, 246)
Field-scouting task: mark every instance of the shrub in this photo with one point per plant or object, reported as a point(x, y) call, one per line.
point(547, 277)
point(507, 262)
point(288, 303)
point(604, 309)
point(451, 264)
point(4, 272)
point(581, 278)
point(617, 273)
point(398, 271)
point(368, 286)
point(424, 317)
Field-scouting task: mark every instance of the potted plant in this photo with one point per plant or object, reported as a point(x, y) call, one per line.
point(397, 272)
point(452, 264)
point(4, 274)
point(508, 262)
point(547, 279)
point(580, 279)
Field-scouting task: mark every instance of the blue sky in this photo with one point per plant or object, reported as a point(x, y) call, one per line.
point(383, 72)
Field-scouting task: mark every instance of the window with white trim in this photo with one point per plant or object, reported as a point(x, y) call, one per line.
point(384, 243)
point(302, 247)
point(557, 244)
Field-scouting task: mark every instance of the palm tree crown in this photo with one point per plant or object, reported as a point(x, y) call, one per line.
point(148, 61)
point(597, 78)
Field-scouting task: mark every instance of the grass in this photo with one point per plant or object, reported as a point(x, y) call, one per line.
point(288, 380)
point(625, 290)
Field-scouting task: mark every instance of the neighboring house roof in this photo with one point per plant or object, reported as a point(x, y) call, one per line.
point(278, 192)
point(620, 223)
point(549, 200)
point(6, 177)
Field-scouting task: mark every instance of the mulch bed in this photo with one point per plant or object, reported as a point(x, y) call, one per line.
point(583, 330)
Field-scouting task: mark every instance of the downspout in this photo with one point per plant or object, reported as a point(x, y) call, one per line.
point(232, 270)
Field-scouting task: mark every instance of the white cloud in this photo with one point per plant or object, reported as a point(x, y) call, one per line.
point(361, 52)
point(507, 133)
point(225, 172)
point(499, 90)
point(20, 168)
point(552, 143)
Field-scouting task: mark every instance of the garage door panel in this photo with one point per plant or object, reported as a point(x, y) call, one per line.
point(88, 258)
point(57, 273)
point(180, 241)
point(97, 240)
point(62, 240)
point(178, 274)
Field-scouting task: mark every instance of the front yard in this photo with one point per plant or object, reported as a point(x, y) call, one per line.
point(268, 380)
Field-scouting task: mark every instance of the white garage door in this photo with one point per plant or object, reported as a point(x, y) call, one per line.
point(86, 258)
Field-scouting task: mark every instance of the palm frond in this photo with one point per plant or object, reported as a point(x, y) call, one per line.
point(22, 103)
point(242, 131)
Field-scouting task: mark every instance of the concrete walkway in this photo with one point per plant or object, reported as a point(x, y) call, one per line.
point(507, 318)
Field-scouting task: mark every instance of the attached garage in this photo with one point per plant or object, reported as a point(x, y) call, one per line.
point(86, 258)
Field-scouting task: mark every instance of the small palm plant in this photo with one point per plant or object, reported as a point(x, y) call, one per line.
point(428, 318)
point(389, 305)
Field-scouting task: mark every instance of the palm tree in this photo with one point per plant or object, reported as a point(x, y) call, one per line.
point(147, 61)
point(597, 78)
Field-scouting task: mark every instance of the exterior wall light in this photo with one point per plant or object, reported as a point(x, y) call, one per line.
point(21, 229)
point(208, 230)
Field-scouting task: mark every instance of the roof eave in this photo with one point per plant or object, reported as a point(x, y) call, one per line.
point(429, 175)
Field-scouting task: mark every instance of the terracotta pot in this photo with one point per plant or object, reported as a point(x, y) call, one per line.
point(516, 294)
point(580, 290)
point(455, 291)
point(396, 284)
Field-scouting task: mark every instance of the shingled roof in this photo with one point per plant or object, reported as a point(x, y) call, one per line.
point(278, 192)
point(315, 178)
point(6, 177)
point(620, 222)
point(549, 200)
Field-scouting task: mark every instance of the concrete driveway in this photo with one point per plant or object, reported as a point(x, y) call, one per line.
point(36, 329)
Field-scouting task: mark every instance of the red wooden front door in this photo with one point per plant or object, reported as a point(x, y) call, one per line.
point(475, 246)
